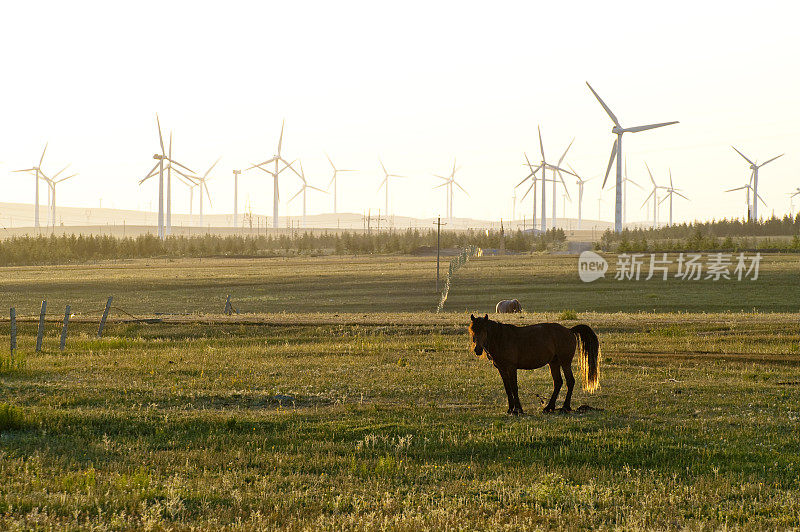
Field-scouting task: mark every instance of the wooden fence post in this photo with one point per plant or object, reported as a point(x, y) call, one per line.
point(103, 319)
point(40, 332)
point(64, 329)
point(13, 333)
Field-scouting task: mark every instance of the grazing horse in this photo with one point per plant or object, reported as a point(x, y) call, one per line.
point(511, 348)
point(508, 305)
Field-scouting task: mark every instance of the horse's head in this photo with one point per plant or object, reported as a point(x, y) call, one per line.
point(478, 330)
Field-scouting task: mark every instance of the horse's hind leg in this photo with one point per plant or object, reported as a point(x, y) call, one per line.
point(567, 368)
point(512, 379)
point(555, 371)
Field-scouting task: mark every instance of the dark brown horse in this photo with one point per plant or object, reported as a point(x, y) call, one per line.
point(511, 348)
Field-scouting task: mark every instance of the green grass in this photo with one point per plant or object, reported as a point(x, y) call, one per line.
point(361, 413)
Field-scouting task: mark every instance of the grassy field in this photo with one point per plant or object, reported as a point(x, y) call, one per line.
point(340, 401)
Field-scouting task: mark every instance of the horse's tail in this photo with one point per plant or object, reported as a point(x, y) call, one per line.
point(588, 356)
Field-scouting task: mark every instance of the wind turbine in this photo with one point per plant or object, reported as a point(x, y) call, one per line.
point(158, 170)
point(557, 170)
point(580, 182)
point(749, 188)
point(449, 181)
point(532, 177)
point(51, 183)
point(201, 182)
point(671, 191)
point(616, 152)
point(791, 201)
point(385, 183)
point(544, 166)
point(236, 197)
point(333, 182)
point(754, 167)
point(277, 159)
point(302, 191)
point(654, 194)
point(37, 171)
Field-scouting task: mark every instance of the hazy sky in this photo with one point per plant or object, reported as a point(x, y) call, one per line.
point(415, 83)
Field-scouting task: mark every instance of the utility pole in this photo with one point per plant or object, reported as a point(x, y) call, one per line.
point(438, 223)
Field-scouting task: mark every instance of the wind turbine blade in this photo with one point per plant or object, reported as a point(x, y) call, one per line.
point(150, 174)
point(743, 157)
point(738, 188)
point(527, 161)
point(565, 185)
point(385, 179)
point(762, 164)
point(648, 197)
point(437, 186)
point(761, 199)
point(182, 166)
point(611, 159)
point(462, 188)
point(329, 160)
point(280, 139)
point(526, 192)
point(541, 145)
point(599, 99)
point(189, 177)
point(318, 189)
point(565, 152)
point(212, 167)
point(60, 171)
point(665, 197)
point(65, 178)
point(635, 183)
point(43, 152)
point(559, 169)
point(649, 126)
point(671, 186)
point(298, 193)
point(25, 170)
point(160, 138)
point(518, 184)
point(290, 167)
point(384, 168)
point(651, 175)
point(681, 195)
point(208, 194)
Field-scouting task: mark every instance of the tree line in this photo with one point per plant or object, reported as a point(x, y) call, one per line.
point(61, 249)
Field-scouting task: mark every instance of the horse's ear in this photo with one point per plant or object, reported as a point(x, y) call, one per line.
point(486, 317)
point(472, 317)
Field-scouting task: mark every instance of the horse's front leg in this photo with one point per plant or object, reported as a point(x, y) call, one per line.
point(512, 378)
point(555, 371)
point(507, 386)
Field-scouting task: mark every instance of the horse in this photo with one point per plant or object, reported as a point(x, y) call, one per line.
point(510, 348)
point(508, 305)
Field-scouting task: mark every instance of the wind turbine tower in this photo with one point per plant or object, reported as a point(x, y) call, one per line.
point(671, 191)
point(277, 159)
point(385, 183)
point(616, 153)
point(36, 171)
point(754, 177)
point(333, 182)
point(236, 198)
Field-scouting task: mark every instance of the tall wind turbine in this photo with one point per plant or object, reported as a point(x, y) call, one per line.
point(333, 182)
point(616, 153)
point(36, 171)
point(749, 188)
point(654, 194)
point(671, 191)
point(754, 167)
point(158, 170)
point(278, 160)
point(51, 183)
point(449, 181)
point(385, 183)
point(557, 170)
point(580, 182)
point(302, 191)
